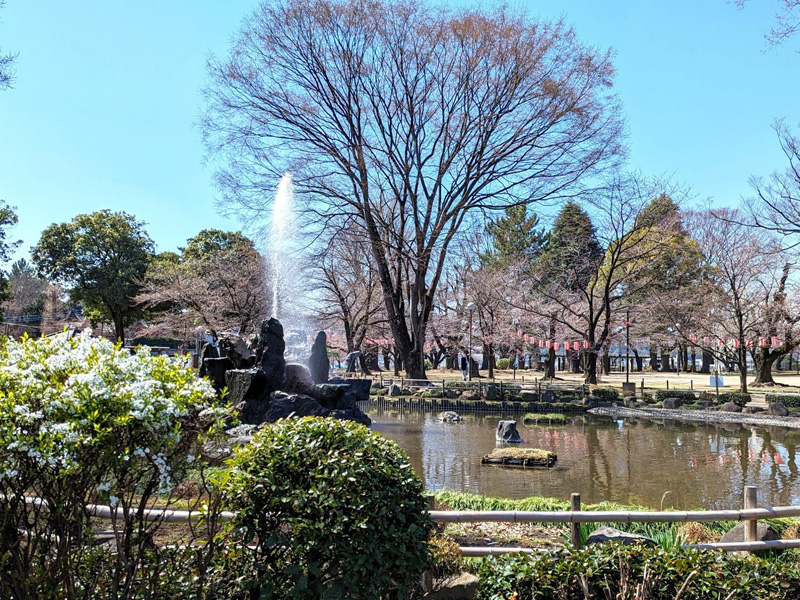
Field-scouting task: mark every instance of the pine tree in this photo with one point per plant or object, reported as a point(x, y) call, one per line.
point(572, 253)
point(515, 235)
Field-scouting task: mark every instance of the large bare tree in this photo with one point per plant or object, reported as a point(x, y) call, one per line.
point(410, 120)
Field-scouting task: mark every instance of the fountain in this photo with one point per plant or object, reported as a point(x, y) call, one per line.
point(282, 229)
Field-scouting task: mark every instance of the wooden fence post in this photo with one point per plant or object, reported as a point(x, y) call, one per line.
point(751, 525)
point(575, 528)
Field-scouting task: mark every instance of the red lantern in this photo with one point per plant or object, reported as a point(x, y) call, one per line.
point(706, 341)
point(575, 346)
point(761, 342)
point(720, 344)
point(519, 333)
point(585, 344)
point(541, 343)
point(555, 346)
point(547, 344)
point(692, 338)
point(776, 341)
point(749, 343)
point(735, 343)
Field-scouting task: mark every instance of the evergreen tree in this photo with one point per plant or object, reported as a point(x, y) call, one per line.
point(515, 235)
point(572, 254)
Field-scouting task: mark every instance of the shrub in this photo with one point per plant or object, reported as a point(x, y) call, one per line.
point(503, 363)
point(788, 400)
point(336, 511)
point(687, 396)
point(606, 394)
point(737, 398)
point(614, 571)
point(82, 420)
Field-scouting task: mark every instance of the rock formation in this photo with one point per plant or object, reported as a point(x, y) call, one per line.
point(318, 363)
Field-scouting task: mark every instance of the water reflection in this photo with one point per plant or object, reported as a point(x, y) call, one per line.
point(633, 461)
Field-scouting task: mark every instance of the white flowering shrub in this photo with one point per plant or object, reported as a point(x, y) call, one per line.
point(82, 421)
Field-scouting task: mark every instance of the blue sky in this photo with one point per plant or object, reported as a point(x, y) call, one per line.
point(108, 93)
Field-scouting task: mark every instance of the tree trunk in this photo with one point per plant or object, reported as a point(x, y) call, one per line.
point(474, 368)
point(119, 328)
point(665, 360)
point(763, 360)
point(590, 368)
point(653, 359)
point(488, 357)
point(708, 360)
point(606, 363)
point(550, 364)
point(639, 361)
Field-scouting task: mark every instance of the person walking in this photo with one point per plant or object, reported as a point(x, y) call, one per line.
point(464, 367)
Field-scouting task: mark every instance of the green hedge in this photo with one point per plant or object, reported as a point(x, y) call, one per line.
point(686, 395)
point(503, 363)
point(608, 570)
point(788, 400)
point(606, 394)
point(738, 398)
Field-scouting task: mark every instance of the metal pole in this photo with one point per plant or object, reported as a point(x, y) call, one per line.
point(627, 345)
point(469, 357)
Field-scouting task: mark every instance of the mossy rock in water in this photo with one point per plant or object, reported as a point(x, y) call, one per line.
point(520, 457)
point(551, 418)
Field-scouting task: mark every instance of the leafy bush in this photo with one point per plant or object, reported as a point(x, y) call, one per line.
point(615, 571)
point(788, 400)
point(606, 394)
point(738, 398)
point(81, 421)
point(687, 396)
point(335, 511)
point(503, 363)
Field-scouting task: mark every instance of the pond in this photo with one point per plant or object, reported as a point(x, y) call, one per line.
point(631, 461)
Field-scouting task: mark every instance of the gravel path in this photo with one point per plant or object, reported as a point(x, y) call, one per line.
point(706, 416)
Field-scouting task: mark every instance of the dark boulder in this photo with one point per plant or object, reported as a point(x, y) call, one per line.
point(548, 396)
point(358, 391)
point(672, 403)
point(215, 369)
point(318, 363)
point(450, 416)
point(610, 534)
point(394, 390)
point(490, 392)
point(507, 432)
point(283, 405)
point(777, 409)
point(247, 391)
point(269, 354)
point(330, 394)
point(731, 407)
point(298, 380)
point(764, 533)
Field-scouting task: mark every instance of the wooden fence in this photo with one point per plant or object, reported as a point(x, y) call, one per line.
point(750, 513)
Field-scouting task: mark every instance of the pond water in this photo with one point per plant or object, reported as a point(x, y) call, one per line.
point(632, 461)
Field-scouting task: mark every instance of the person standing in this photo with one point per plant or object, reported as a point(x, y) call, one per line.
point(464, 367)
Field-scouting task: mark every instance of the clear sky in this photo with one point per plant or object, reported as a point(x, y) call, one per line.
point(107, 96)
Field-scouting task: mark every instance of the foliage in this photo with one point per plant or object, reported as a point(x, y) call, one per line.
point(606, 394)
point(445, 557)
point(514, 236)
point(327, 502)
point(627, 572)
point(8, 218)
point(558, 418)
point(101, 258)
point(738, 398)
point(685, 395)
point(788, 400)
point(503, 363)
point(82, 420)
point(510, 452)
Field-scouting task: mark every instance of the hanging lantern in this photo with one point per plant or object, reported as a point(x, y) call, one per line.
point(555, 346)
point(735, 343)
point(541, 343)
point(585, 344)
point(575, 346)
point(519, 333)
point(775, 341)
point(706, 341)
point(547, 344)
point(749, 343)
point(762, 342)
point(720, 344)
point(692, 338)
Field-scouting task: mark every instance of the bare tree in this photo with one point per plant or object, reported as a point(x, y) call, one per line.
point(408, 119)
point(222, 290)
point(787, 21)
point(6, 65)
point(777, 205)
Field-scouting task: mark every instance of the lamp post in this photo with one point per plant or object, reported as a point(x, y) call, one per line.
point(627, 345)
point(470, 308)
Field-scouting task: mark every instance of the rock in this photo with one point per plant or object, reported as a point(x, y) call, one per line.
point(215, 369)
point(329, 395)
point(507, 432)
point(462, 587)
point(777, 409)
point(548, 396)
point(209, 351)
point(355, 414)
point(357, 391)
point(704, 404)
point(764, 533)
point(318, 363)
point(247, 390)
point(752, 410)
point(591, 402)
point(241, 431)
point(610, 534)
point(731, 407)
point(269, 354)
point(490, 392)
point(450, 416)
point(298, 380)
point(529, 396)
point(451, 394)
point(236, 349)
point(470, 396)
point(393, 391)
point(672, 403)
point(283, 405)
point(376, 385)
